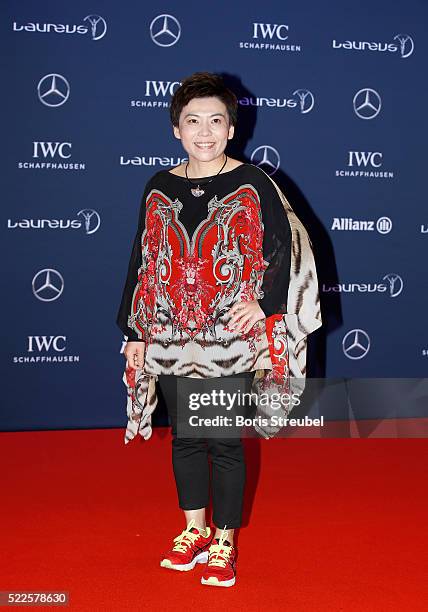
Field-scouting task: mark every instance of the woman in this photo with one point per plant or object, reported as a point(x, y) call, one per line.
point(205, 300)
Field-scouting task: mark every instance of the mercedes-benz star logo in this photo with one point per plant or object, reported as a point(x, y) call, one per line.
point(53, 90)
point(367, 103)
point(267, 158)
point(92, 218)
point(165, 30)
point(98, 26)
point(356, 344)
point(48, 284)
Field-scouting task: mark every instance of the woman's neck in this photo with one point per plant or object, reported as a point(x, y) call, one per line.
point(198, 169)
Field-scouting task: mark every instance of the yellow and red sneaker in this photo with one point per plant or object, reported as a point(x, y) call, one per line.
point(190, 547)
point(221, 567)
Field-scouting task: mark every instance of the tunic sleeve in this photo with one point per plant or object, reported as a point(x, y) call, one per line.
point(276, 251)
point(135, 261)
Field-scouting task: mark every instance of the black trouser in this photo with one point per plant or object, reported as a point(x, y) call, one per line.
point(190, 459)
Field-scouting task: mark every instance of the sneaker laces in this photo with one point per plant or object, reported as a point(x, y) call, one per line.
point(186, 538)
point(219, 553)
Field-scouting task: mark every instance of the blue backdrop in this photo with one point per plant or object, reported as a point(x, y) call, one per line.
point(332, 104)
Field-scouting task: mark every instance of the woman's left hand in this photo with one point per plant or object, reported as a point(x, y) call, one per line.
point(244, 315)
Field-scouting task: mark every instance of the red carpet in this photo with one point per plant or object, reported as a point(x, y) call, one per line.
point(346, 530)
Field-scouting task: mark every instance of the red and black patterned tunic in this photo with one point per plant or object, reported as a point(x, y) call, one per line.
point(192, 259)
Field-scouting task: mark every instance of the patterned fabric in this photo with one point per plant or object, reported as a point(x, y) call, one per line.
point(184, 290)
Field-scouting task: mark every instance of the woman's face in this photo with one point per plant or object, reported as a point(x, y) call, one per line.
point(204, 128)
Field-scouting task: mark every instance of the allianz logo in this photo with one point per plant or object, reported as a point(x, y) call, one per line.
point(151, 160)
point(90, 221)
point(392, 286)
point(383, 225)
point(403, 44)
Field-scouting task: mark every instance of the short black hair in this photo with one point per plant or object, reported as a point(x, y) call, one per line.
point(203, 85)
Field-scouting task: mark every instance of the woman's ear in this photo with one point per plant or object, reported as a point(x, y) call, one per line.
point(176, 130)
point(231, 132)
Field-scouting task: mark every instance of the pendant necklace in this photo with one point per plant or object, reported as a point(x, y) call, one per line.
point(198, 191)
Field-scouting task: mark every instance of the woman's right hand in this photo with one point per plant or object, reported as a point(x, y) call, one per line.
point(134, 354)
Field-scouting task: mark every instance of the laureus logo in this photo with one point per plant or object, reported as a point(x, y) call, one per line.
point(98, 26)
point(395, 284)
point(407, 45)
point(403, 45)
point(301, 99)
point(95, 25)
point(392, 286)
point(91, 218)
point(306, 100)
